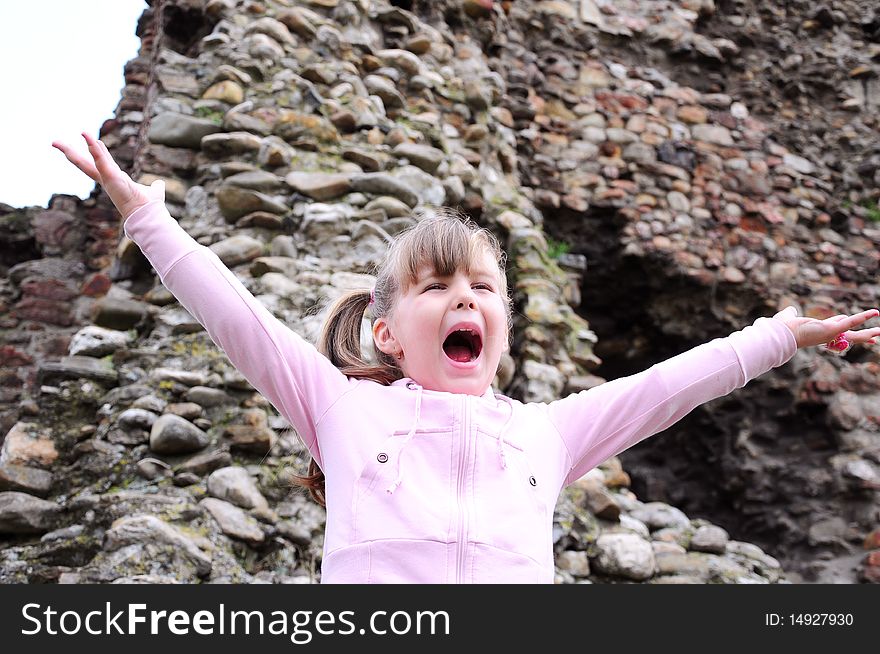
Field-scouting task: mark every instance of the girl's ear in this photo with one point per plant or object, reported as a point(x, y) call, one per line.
point(383, 338)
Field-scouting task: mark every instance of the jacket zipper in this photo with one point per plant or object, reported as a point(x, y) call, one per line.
point(461, 547)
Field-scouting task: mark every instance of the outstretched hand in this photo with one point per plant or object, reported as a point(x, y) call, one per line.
point(810, 331)
point(127, 195)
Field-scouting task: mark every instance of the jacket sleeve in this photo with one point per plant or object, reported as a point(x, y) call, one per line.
point(290, 372)
point(603, 421)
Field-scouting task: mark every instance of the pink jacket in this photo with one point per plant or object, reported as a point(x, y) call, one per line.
point(433, 487)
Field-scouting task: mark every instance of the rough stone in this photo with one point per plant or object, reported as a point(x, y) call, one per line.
point(236, 202)
point(21, 513)
point(233, 521)
point(423, 156)
point(625, 555)
point(172, 434)
point(26, 443)
point(235, 485)
point(320, 186)
point(25, 479)
point(180, 131)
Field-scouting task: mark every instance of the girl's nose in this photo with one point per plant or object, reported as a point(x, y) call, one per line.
point(467, 299)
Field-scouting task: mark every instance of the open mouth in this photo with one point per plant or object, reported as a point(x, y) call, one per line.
point(463, 345)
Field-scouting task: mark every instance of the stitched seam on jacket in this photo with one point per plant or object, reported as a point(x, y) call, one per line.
point(561, 440)
point(333, 404)
point(178, 260)
point(792, 338)
point(742, 368)
point(369, 544)
point(368, 541)
point(501, 549)
point(369, 563)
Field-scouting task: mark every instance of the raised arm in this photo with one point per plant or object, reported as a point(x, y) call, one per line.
point(605, 420)
point(300, 382)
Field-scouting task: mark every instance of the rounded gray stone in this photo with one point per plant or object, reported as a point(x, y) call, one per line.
point(173, 435)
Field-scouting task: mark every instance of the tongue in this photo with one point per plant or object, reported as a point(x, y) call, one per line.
point(458, 352)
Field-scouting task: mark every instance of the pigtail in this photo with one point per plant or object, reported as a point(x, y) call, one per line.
point(340, 342)
point(313, 481)
point(340, 339)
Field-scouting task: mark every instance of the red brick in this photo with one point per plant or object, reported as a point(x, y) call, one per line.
point(50, 345)
point(52, 289)
point(11, 357)
point(96, 285)
point(43, 310)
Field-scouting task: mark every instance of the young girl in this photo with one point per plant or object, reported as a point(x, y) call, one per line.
point(432, 477)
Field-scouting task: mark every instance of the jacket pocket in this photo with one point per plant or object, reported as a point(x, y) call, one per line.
point(419, 506)
point(512, 512)
point(526, 479)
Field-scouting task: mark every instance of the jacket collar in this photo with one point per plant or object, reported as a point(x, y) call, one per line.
point(407, 382)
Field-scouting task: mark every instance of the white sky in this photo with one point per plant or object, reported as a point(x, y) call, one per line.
point(61, 67)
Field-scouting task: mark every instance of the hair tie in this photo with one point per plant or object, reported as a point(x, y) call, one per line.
point(372, 296)
point(839, 345)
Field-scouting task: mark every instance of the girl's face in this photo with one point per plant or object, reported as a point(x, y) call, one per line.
point(451, 330)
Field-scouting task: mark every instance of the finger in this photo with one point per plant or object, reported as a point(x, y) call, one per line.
point(159, 187)
point(857, 319)
point(107, 167)
point(864, 316)
point(863, 335)
point(104, 162)
point(78, 160)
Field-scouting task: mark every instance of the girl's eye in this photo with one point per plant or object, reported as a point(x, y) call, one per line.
point(477, 285)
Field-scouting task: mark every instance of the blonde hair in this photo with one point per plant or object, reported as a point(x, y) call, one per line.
point(446, 242)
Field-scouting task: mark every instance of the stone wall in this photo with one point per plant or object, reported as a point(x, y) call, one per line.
point(641, 216)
